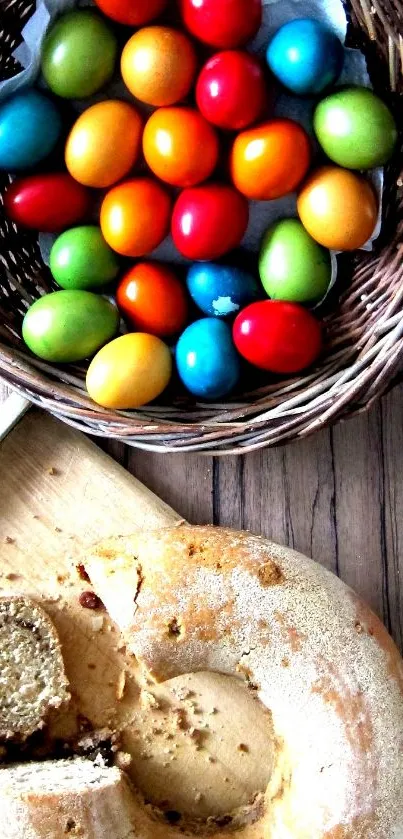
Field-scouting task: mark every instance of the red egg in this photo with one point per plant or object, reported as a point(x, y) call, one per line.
point(280, 337)
point(153, 299)
point(132, 12)
point(231, 91)
point(224, 24)
point(208, 221)
point(49, 202)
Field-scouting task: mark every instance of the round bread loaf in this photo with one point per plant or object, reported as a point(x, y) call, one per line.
point(191, 599)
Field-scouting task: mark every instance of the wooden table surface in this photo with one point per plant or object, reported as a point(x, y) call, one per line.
point(337, 497)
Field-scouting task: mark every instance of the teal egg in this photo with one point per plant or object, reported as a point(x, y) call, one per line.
point(207, 360)
point(78, 55)
point(81, 259)
point(68, 326)
point(292, 265)
point(221, 290)
point(30, 126)
point(355, 128)
point(305, 56)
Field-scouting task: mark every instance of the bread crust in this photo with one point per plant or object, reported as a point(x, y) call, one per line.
point(36, 802)
point(190, 599)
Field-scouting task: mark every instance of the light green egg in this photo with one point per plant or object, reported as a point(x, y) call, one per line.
point(78, 54)
point(292, 265)
point(81, 259)
point(355, 128)
point(68, 326)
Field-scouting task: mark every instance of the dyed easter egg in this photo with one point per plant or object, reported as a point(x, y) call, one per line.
point(49, 202)
point(158, 65)
point(81, 259)
point(221, 290)
point(129, 372)
point(278, 336)
point(132, 12)
point(209, 221)
point(231, 90)
point(135, 216)
point(68, 326)
point(104, 143)
point(30, 126)
point(355, 128)
point(78, 55)
point(152, 299)
point(292, 265)
point(270, 160)
point(306, 56)
point(206, 359)
point(180, 146)
point(225, 24)
point(338, 208)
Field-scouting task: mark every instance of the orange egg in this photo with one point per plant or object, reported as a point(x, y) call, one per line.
point(159, 65)
point(135, 216)
point(338, 208)
point(180, 146)
point(104, 143)
point(270, 160)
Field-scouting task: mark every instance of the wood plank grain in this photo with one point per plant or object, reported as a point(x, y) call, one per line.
point(4, 391)
point(286, 494)
point(392, 435)
point(187, 480)
point(360, 507)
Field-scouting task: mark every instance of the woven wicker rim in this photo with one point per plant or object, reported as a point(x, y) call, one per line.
point(364, 331)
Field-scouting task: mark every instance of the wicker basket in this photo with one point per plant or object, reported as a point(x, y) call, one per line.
point(364, 330)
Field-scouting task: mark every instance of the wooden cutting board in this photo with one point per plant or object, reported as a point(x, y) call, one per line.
point(58, 494)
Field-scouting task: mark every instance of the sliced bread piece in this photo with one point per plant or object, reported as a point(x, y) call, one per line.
point(32, 676)
point(72, 798)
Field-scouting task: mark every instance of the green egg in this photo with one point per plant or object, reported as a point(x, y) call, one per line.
point(78, 55)
point(69, 326)
point(81, 259)
point(292, 265)
point(355, 128)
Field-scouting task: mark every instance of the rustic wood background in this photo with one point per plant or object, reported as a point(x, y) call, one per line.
point(337, 497)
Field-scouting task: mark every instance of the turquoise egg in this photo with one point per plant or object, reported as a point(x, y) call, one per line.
point(30, 126)
point(207, 360)
point(68, 326)
point(305, 56)
point(221, 290)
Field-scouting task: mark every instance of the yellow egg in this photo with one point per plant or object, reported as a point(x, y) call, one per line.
point(130, 371)
point(104, 143)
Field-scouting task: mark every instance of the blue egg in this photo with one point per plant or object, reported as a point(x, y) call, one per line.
point(221, 290)
point(305, 56)
point(30, 126)
point(207, 360)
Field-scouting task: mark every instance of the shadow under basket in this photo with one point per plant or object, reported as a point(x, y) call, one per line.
point(364, 330)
